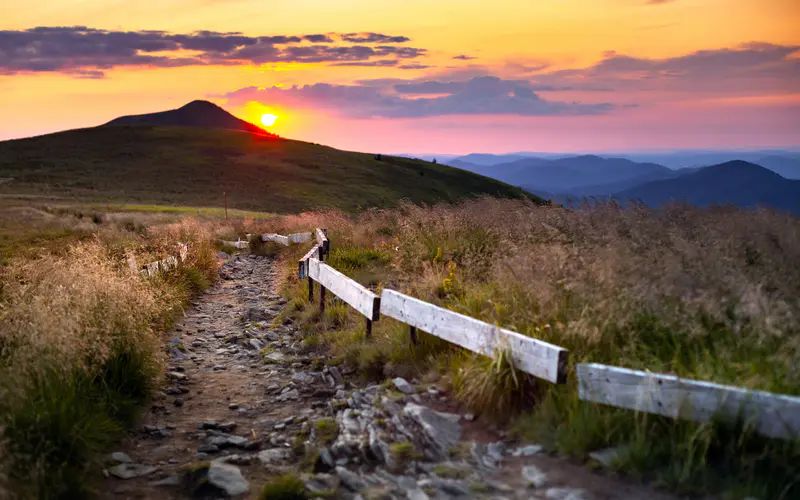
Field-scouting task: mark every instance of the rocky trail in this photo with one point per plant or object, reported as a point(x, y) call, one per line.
point(245, 402)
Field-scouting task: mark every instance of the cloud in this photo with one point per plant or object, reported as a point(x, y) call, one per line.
point(749, 67)
point(464, 57)
point(80, 50)
point(373, 38)
point(481, 95)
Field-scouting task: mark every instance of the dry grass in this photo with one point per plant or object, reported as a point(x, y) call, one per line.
point(80, 348)
point(711, 294)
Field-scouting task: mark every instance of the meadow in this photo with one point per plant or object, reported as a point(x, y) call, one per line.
point(81, 335)
point(710, 294)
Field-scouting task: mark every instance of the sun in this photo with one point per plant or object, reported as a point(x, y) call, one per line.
point(268, 119)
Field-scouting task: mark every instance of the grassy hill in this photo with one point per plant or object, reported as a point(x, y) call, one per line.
point(194, 165)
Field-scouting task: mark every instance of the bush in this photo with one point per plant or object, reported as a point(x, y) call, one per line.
point(286, 487)
point(80, 350)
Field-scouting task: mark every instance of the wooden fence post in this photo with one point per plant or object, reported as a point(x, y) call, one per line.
point(369, 328)
point(321, 298)
point(412, 332)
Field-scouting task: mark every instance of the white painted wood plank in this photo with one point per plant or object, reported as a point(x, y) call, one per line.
point(350, 291)
point(541, 359)
point(322, 240)
point(277, 238)
point(300, 237)
point(772, 415)
point(302, 264)
point(236, 244)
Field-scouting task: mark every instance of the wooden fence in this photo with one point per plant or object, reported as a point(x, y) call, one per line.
point(153, 268)
point(772, 415)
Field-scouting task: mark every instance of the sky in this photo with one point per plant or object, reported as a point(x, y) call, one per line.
point(418, 76)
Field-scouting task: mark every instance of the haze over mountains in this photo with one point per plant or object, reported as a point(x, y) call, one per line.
point(746, 178)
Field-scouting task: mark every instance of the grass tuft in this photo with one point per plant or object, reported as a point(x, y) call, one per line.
point(286, 487)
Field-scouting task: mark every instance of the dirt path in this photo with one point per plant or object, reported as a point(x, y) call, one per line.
point(245, 403)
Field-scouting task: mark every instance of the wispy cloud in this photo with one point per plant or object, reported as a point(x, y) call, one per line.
point(481, 95)
point(83, 51)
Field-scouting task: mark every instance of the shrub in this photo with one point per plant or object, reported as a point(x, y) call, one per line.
point(286, 487)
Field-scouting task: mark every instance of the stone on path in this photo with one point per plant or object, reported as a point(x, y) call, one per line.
point(533, 476)
point(130, 471)
point(274, 455)
point(403, 386)
point(350, 479)
point(608, 456)
point(527, 451)
point(441, 430)
point(121, 458)
point(565, 494)
point(228, 478)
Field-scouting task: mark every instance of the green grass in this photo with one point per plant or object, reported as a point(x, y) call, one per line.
point(674, 291)
point(286, 487)
point(190, 166)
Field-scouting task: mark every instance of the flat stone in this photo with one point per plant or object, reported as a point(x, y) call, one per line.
point(527, 451)
point(227, 478)
point(565, 494)
point(274, 455)
point(609, 456)
point(350, 480)
point(403, 386)
point(177, 376)
point(534, 476)
point(130, 471)
point(173, 480)
point(441, 431)
point(121, 458)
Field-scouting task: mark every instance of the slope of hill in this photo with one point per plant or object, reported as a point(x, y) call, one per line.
point(735, 182)
point(785, 166)
point(194, 165)
point(194, 114)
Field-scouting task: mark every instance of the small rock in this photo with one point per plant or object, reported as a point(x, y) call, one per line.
point(180, 377)
point(440, 430)
point(608, 456)
point(350, 480)
point(403, 386)
point(218, 368)
point(178, 402)
point(121, 458)
point(223, 255)
point(227, 478)
point(173, 480)
point(256, 344)
point(274, 455)
point(233, 406)
point(469, 417)
point(527, 451)
point(564, 494)
point(208, 424)
point(533, 476)
point(130, 471)
point(227, 427)
point(208, 448)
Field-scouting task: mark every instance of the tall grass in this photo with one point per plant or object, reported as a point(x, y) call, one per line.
point(80, 349)
point(711, 294)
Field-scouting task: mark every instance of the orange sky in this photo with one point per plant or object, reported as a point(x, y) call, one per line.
point(533, 75)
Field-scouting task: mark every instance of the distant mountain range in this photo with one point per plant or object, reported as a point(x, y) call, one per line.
point(743, 183)
point(195, 114)
point(735, 182)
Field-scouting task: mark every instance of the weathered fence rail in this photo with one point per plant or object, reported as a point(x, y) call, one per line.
point(350, 291)
point(543, 360)
point(164, 265)
point(772, 415)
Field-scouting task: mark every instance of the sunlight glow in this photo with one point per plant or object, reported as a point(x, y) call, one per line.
point(268, 119)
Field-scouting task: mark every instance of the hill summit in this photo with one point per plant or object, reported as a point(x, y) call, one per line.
point(195, 114)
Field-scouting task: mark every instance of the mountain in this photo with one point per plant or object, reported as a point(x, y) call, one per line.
point(785, 166)
point(735, 182)
point(482, 159)
point(578, 175)
point(195, 114)
point(193, 165)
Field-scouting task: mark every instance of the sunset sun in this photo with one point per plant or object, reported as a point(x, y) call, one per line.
point(268, 119)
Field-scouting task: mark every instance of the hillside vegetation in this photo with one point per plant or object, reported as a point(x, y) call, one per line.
point(194, 165)
point(80, 339)
point(710, 294)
